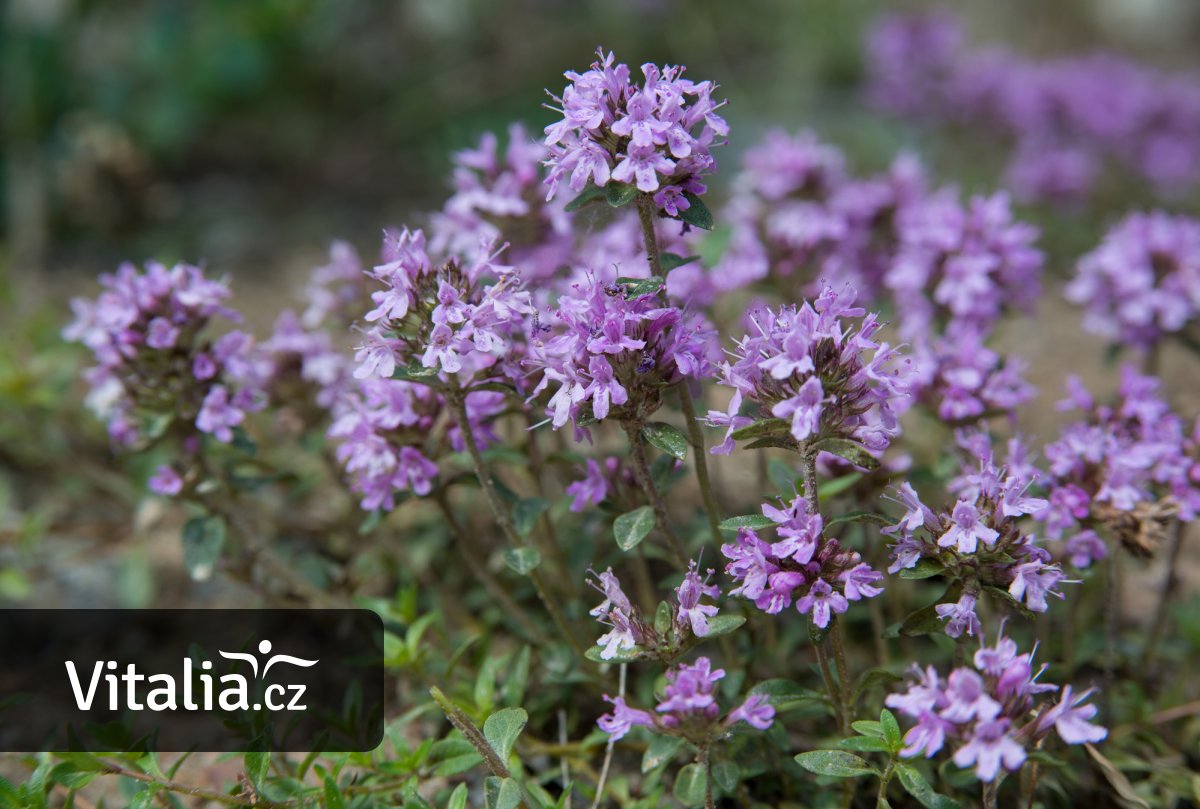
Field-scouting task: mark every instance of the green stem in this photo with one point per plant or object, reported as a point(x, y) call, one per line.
point(645, 209)
point(641, 472)
point(881, 800)
point(697, 437)
point(837, 641)
point(1165, 594)
point(504, 519)
point(706, 762)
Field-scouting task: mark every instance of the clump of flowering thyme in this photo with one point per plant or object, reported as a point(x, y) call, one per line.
point(617, 349)
point(461, 319)
point(978, 543)
point(817, 376)
point(991, 712)
point(802, 566)
point(1143, 282)
point(160, 373)
point(688, 708)
point(656, 137)
point(1128, 470)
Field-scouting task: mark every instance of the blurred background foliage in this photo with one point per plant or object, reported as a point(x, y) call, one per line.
point(240, 131)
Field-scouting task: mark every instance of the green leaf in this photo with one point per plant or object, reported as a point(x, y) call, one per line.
point(891, 730)
point(763, 428)
point(864, 744)
point(922, 622)
point(874, 678)
point(868, 727)
point(726, 774)
point(8, 795)
point(719, 625)
point(415, 372)
point(71, 776)
point(632, 527)
point(754, 521)
point(637, 287)
point(670, 261)
point(522, 560)
point(689, 785)
point(835, 764)
point(832, 488)
point(848, 450)
point(664, 616)
point(1005, 598)
point(915, 784)
point(526, 512)
point(333, 795)
point(924, 569)
point(593, 193)
point(660, 751)
point(203, 538)
point(257, 764)
point(620, 656)
point(668, 438)
point(502, 729)
point(458, 798)
point(773, 442)
point(859, 516)
point(784, 694)
point(501, 793)
point(620, 194)
point(698, 213)
point(518, 677)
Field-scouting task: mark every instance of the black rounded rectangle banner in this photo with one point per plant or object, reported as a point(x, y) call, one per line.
point(191, 680)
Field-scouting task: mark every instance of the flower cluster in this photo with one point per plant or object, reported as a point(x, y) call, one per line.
point(1127, 469)
point(963, 380)
point(657, 136)
point(631, 635)
point(796, 215)
point(336, 291)
point(461, 319)
point(1143, 281)
point(384, 436)
point(978, 541)
point(807, 366)
point(803, 566)
point(1064, 116)
point(688, 707)
point(158, 372)
point(991, 712)
point(616, 349)
point(497, 198)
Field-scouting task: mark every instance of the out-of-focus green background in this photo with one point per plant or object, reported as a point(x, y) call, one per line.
point(249, 132)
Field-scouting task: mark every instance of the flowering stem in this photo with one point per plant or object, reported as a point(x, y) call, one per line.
point(1166, 592)
point(641, 472)
point(839, 658)
point(500, 512)
point(810, 478)
point(645, 209)
point(706, 763)
point(472, 556)
point(697, 436)
point(990, 793)
point(881, 802)
point(608, 751)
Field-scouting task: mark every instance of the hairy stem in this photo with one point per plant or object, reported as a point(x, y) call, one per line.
point(701, 460)
point(473, 557)
point(706, 763)
point(504, 519)
point(837, 641)
point(645, 209)
point(608, 750)
point(641, 472)
point(1165, 594)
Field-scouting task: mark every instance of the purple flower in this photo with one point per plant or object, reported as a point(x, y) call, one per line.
point(218, 416)
point(991, 746)
point(166, 481)
point(1070, 717)
point(1032, 581)
point(591, 490)
point(859, 582)
point(731, 421)
point(823, 602)
point(690, 612)
point(960, 617)
point(756, 712)
point(622, 719)
point(927, 737)
point(966, 530)
point(690, 691)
